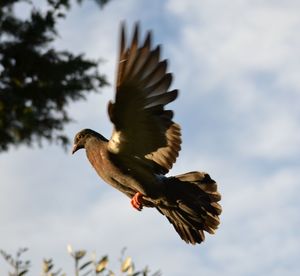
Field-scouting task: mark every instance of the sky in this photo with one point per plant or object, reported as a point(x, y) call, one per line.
point(237, 65)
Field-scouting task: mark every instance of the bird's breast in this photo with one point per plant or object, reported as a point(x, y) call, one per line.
point(125, 178)
point(110, 172)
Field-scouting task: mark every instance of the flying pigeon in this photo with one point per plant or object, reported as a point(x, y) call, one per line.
point(145, 144)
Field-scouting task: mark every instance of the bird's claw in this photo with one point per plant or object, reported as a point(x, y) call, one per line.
point(136, 201)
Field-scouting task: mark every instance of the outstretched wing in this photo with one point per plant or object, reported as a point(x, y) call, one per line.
point(143, 129)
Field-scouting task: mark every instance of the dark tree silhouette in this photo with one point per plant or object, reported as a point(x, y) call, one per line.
point(36, 80)
point(101, 3)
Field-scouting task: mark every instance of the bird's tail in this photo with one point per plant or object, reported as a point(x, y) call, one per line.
point(196, 208)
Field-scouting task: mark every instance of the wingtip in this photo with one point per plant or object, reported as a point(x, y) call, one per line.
point(156, 52)
point(148, 39)
point(135, 37)
point(122, 36)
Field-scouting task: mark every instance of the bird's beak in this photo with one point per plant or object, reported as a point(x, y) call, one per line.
point(75, 148)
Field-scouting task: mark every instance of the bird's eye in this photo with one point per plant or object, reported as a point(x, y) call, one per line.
point(80, 136)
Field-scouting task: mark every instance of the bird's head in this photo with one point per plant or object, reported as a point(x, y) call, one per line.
point(83, 136)
point(80, 139)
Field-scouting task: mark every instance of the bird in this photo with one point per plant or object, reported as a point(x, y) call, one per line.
point(145, 143)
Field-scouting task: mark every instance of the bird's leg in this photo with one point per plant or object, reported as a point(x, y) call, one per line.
point(136, 201)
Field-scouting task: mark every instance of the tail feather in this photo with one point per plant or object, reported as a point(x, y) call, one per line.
point(197, 209)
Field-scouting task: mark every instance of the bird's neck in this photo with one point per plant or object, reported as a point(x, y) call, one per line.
point(94, 143)
point(96, 151)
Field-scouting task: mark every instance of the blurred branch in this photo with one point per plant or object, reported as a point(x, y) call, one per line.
point(19, 266)
point(101, 3)
point(83, 265)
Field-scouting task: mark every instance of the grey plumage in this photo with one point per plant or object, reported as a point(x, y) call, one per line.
point(145, 144)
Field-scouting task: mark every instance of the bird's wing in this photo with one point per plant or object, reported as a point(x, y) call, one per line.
point(143, 129)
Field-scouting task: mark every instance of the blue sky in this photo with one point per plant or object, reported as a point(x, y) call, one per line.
point(237, 65)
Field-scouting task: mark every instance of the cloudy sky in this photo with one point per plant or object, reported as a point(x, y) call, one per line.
point(237, 65)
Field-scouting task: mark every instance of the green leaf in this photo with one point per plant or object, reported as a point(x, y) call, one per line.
point(70, 250)
point(111, 273)
point(85, 265)
point(23, 272)
point(126, 265)
point(102, 264)
point(80, 254)
point(88, 272)
point(61, 15)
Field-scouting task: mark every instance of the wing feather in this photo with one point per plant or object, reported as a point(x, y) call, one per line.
point(142, 127)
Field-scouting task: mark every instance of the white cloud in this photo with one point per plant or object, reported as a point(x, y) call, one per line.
point(276, 137)
point(242, 56)
point(232, 39)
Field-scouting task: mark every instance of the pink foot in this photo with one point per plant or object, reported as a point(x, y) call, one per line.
point(136, 201)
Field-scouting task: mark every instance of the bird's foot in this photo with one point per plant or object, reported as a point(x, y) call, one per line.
point(136, 201)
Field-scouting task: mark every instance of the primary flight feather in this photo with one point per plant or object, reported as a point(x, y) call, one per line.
point(145, 144)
